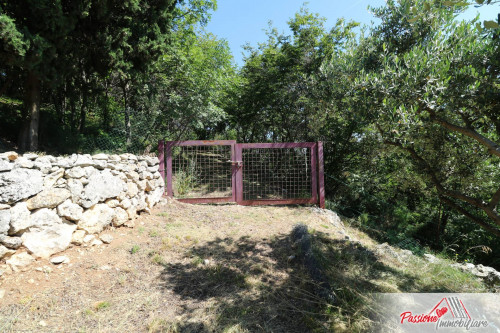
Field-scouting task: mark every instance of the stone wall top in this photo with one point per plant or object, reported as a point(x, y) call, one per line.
point(48, 202)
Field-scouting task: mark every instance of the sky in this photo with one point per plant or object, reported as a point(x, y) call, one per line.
point(244, 21)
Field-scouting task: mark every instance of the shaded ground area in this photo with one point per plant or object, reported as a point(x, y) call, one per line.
point(216, 268)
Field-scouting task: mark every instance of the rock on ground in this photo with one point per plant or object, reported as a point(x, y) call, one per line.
point(385, 248)
point(59, 260)
point(48, 235)
point(19, 261)
point(430, 258)
point(106, 238)
point(5, 252)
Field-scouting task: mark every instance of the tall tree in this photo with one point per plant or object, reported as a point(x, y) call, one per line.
point(50, 41)
point(281, 95)
point(435, 95)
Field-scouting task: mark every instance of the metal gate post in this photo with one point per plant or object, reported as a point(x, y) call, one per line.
point(234, 170)
point(238, 157)
point(161, 157)
point(168, 152)
point(314, 172)
point(321, 176)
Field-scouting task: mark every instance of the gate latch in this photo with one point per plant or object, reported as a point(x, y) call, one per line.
point(239, 164)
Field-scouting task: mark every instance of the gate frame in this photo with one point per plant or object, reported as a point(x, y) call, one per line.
point(317, 171)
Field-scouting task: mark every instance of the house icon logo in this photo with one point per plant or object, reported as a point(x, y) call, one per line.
point(453, 306)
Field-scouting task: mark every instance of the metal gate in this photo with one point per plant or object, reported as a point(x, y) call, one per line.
point(246, 173)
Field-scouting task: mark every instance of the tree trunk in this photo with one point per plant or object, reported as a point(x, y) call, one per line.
point(105, 117)
point(81, 125)
point(28, 136)
point(128, 131)
point(23, 137)
point(127, 127)
point(443, 220)
point(72, 114)
point(57, 99)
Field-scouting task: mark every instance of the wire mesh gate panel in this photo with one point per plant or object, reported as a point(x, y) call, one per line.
point(248, 173)
point(200, 171)
point(277, 173)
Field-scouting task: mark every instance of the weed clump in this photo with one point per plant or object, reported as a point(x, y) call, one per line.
point(134, 249)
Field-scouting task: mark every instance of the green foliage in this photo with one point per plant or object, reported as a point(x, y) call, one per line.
point(407, 109)
point(282, 97)
point(387, 104)
point(184, 182)
point(152, 72)
point(101, 305)
point(135, 249)
point(432, 100)
point(12, 38)
point(196, 78)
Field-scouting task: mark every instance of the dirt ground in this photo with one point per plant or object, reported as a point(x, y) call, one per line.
point(183, 268)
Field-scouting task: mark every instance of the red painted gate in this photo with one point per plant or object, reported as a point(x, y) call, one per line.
point(246, 173)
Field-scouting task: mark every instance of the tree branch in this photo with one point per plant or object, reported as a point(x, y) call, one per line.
point(489, 208)
point(493, 147)
point(477, 220)
point(494, 200)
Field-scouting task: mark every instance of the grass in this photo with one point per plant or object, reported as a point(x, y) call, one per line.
point(158, 259)
point(154, 233)
point(101, 305)
point(200, 272)
point(135, 249)
point(161, 325)
point(197, 261)
point(185, 182)
point(357, 272)
point(170, 226)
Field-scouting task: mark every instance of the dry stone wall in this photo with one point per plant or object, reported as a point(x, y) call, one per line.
point(48, 203)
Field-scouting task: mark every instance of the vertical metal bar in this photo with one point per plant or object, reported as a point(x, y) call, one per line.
point(168, 152)
point(314, 175)
point(321, 181)
point(239, 173)
point(234, 169)
point(161, 157)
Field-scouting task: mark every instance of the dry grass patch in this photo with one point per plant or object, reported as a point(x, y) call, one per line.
point(214, 268)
